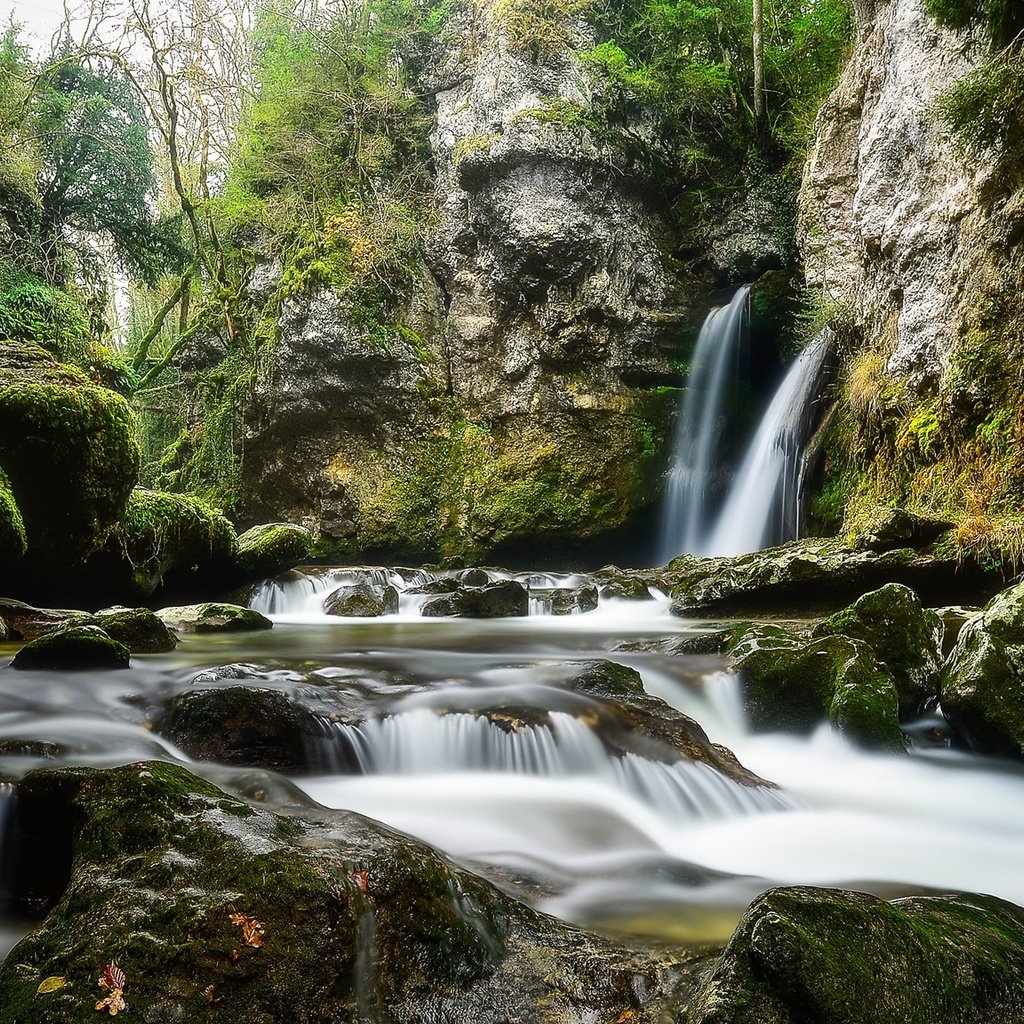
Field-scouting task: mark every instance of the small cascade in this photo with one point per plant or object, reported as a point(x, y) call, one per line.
point(422, 742)
point(7, 798)
point(763, 507)
point(689, 499)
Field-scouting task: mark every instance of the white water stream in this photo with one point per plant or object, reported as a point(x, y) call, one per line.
point(538, 800)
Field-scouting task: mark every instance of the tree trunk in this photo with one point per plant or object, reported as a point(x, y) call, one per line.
point(759, 98)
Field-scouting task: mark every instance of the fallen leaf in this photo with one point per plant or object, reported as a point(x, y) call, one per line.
point(362, 880)
point(114, 980)
point(234, 954)
point(624, 1016)
point(51, 984)
point(208, 994)
point(252, 930)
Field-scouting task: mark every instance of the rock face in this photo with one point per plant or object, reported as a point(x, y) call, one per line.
point(826, 955)
point(523, 402)
point(891, 221)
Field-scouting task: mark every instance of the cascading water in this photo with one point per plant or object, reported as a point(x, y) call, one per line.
point(763, 506)
point(689, 512)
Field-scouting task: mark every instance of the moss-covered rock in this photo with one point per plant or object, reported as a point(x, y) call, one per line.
point(139, 629)
point(983, 681)
point(149, 865)
point(164, 542)
point(627, 588)
point(271, 549)
point(241, 724)
point(813, 576)
point(70, 454)
point(793, 683)
point(903, 634)
point(835, 957)
point(213, 617)
point(496, 600)
point(362, 600)
point(573, 600)
point(27, 621)
point(12, 528)
point(74, 647)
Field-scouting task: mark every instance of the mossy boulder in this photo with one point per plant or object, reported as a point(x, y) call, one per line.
point(362, 600)
point(147, 864)
point(818, 576)
point(213, 617)
point(70, 455)
point(890, 528)
point(835, 957)
point(270, 549)
point(141, 630)
point(27, 622)
point(982, 685)
point(167, 542)
point(13, 543)
point(903, 634)
point(496, 600)
point(627, 588)
point(75, 647)
point(793, 683)
point(242, 725)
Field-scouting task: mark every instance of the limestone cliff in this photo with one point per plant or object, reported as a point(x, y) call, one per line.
point(524, 397)
point(917, 246)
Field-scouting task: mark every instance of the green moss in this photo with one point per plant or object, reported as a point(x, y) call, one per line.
point(72, 648)
point(70, 453)
point(270, 549)
point(12, 528)
point(167, 539)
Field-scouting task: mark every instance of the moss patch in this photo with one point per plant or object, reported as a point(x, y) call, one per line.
point(12, 528)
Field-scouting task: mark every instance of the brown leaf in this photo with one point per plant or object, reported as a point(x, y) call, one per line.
point(252, 930)
point(624, 1016)
point(362, 880)
point(113, 1003)
point(209, 996)
point(234, 954)
point(113, 977)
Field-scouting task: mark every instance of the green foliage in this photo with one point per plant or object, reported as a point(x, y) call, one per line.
point(33, 311)
point(1001, 20)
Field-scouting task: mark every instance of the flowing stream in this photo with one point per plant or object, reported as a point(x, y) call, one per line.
point(416, 731)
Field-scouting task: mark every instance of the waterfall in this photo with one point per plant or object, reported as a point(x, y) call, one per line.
point(422, 742)
point(763, 505)
point(7, 798)
point(689, 496)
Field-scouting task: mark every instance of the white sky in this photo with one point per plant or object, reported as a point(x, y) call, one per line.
point(41, 18)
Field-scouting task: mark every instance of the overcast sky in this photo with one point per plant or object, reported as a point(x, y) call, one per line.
point(40, 17)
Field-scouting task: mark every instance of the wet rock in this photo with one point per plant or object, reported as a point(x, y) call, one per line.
point(442, 585)
point(791, 683)
point(75, 647)
point(627, 588)
point(573, 600)
point(5, 632)
point(826, 955)
point(242, 725)
point(27, 622)
point(362, 600)
point(903, 634)
point(142, 631)
point(982, 686)
point(897, 528)
point(474, 578)
point(271, 549)
point(496, 600)
point(356, 920)
point(213, 618)
point(954, 618)
point(812, 576)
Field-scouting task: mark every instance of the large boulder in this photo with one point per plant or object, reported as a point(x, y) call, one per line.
point(983, 680)
point(141, 630)
point(270, 549)
point(362, 600)
point(903, 634)
point(213, 617)
point(813, 576)
point(219, 911)
point(165, 542)
point(69, 455)
point(835, 957)
point(794, 683)
point(75, 647)
point(496, 600)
